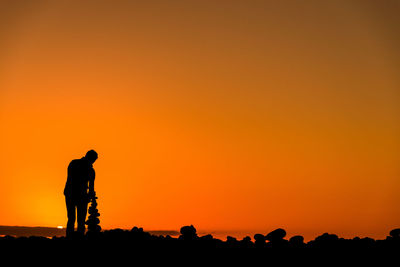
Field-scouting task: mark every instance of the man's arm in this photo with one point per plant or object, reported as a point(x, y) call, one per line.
point(91, 183)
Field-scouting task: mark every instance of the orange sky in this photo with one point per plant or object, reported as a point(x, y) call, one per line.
point(229, 115)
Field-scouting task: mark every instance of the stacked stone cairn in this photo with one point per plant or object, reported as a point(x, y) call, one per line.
point(93, 220)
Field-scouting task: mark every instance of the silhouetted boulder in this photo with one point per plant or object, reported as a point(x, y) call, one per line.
point(188, 233)
point(327, 238)
point(395, 233)
point(363, 243)
point(276, 240)
point(231, 242)
point(139, 235)
point(276, 235)
point(246, 242)
point(231, 239)
point(296, 241)
point(259, 240)
point(136, 230)
point(246, 239)
point(325, 241)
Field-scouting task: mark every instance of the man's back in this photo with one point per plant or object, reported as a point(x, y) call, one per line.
point(80, 172)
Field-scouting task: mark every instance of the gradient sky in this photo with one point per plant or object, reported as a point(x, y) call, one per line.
point(228, 115)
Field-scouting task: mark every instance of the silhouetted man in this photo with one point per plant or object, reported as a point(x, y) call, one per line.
point(80, 179)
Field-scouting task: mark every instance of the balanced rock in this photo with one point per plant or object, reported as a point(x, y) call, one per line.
point(276, 235)
point(93, 219)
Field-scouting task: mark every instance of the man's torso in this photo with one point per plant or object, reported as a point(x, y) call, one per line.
point(80, 172)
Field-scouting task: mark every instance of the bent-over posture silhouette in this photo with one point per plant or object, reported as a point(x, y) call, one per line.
point(80, 179)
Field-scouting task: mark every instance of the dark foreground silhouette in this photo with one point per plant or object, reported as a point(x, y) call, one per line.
point(79, 191)
point(137, 245)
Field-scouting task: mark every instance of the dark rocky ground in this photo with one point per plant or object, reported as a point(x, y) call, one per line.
point(133, 246)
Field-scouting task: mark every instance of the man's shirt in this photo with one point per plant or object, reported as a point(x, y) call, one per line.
point(80, 173)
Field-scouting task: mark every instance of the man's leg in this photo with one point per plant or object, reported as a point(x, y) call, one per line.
point(71, 216)
point(82, 210)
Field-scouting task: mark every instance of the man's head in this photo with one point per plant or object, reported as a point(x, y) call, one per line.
point(91, 156)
